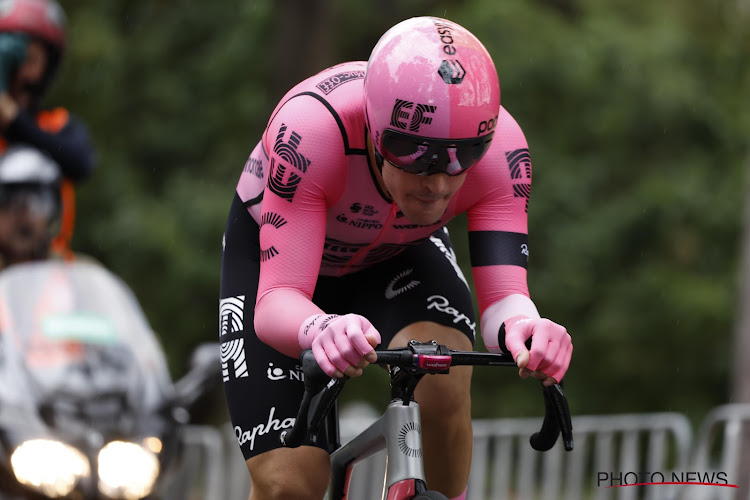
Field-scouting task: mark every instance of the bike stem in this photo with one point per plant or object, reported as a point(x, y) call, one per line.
point(403, 384)
point(404, 380)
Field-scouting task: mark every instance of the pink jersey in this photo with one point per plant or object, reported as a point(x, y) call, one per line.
point(309, 186)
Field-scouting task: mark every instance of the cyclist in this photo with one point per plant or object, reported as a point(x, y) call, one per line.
point(336, 240)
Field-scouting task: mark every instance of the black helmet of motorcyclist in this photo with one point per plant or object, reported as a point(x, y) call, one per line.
point(30, 204)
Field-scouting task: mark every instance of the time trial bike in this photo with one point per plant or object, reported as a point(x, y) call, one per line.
point(398, 430)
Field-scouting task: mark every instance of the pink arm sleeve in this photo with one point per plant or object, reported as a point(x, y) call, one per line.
point(278, 316)
point(307, 169)
point(505, 179)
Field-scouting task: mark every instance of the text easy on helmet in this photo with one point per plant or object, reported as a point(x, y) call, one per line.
point(432, 78)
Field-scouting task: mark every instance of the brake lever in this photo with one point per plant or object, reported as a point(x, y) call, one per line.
point(315, 381)
point(556, 421)
point(562, 412)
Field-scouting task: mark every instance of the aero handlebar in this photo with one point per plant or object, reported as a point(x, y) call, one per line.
point(419, 359)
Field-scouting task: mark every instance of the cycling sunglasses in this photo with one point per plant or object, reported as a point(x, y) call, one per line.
point(425, 156)
point(38, 200)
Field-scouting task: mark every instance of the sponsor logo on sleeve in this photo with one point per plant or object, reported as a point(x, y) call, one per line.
point(519, 162)
point(272, 218)
point(276, 221)
point(333, 82)
point(286, 175)
point(254, 166)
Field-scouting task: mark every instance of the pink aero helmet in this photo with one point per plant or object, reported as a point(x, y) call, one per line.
point(432, 96)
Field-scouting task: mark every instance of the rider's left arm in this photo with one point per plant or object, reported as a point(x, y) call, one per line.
point(499, 247)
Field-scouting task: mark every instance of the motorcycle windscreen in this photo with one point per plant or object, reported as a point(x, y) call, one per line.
point(77, 331)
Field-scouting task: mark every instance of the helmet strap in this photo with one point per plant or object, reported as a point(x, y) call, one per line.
point(377, 156)
point(378, 161)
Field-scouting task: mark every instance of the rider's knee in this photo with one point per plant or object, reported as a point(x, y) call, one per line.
point(288, 488)
point(291, 476)
point(445, 397)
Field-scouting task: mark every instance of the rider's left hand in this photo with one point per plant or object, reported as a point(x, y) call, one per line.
point(551, 348)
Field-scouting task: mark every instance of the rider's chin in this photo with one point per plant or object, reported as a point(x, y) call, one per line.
point(423, 211)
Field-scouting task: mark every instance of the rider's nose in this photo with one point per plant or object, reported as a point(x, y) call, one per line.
point(435, 183)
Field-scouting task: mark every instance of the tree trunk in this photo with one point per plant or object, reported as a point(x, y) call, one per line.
point(741, 375)
point(741, 346)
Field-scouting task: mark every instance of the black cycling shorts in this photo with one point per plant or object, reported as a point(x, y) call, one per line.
point(263, 387)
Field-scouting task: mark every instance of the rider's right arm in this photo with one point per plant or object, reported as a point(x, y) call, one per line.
point(307, 172)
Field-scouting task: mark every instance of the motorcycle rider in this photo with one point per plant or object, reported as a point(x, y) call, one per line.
point(30, 204)
point(32, 44)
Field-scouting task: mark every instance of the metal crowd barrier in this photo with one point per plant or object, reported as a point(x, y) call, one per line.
point(611, 454)
point(606, 449)
point(719, 449)
point(202, 471)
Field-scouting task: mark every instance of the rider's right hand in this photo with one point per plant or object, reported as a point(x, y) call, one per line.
point(342, 345)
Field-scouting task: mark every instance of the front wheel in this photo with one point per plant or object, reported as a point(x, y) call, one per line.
point(430, 495)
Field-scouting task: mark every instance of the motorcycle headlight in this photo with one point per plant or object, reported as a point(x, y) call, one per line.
point(51, 467)
point(127, 470)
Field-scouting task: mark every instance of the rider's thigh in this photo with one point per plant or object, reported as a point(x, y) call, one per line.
point(289, 473)
point(442, 394)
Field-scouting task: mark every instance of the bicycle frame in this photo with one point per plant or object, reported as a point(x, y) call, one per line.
point(398, 432)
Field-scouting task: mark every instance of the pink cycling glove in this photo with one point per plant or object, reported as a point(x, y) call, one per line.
point(551, 346)
point(338, 342)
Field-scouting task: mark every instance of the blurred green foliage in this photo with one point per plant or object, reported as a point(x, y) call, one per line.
point(637, 119)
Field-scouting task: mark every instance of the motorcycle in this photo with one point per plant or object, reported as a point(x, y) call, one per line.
point(88, 409)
